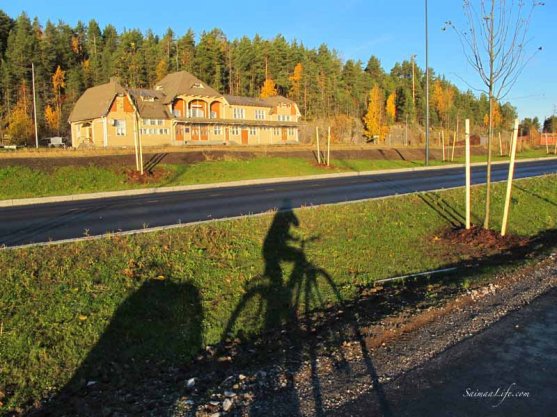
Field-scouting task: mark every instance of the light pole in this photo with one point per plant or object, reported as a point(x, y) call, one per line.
point(426, 89)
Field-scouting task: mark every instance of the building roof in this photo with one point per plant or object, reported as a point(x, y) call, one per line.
point(149, 103)
point(256, 101)
point(275, 100)
point(96, 101)
point(183, 82)
point(246, 101)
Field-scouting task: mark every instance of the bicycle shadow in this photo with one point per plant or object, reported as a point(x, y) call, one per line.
point(151, 334)
point(285, 296)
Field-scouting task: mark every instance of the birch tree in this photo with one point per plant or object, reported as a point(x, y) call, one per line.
point(496, 46)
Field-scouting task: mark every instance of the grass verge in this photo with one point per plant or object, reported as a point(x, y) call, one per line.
point(23, 182)
point(161, 297)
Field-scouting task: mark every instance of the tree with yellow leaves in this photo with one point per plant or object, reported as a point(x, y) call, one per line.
point(20, 125)
point(296, 80)
point(52, 118)
point(442, 98)
point(162, 69)
point(497, 120)
point(390, 108)
point(269, 89)
point(374, 119)
point(58, 83)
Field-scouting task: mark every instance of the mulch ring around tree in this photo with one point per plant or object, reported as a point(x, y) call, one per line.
point(148, 177)
point(478, 242)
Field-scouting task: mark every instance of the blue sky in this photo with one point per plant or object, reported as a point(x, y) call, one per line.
point(391, 30)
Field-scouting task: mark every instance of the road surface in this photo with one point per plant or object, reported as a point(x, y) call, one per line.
point(56, 221)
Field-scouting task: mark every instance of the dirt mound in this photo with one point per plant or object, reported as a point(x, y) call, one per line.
point(154, 176)
point(478, 241)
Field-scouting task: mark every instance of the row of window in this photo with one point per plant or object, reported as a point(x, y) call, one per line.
point(120, 126)
point(153, 122)
point(152, 131)
point(237, 113)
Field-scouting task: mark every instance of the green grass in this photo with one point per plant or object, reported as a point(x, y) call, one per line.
point(165, 295)
point(22, 182)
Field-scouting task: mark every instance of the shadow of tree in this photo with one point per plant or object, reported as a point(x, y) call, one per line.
point(152, 332)
point(152, 163)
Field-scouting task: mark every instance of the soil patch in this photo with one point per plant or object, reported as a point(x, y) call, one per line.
point(478, 242)
point(148, 177)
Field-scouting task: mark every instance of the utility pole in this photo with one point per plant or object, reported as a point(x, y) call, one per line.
point(413, 58)
point(426, 89)
point(35, 106)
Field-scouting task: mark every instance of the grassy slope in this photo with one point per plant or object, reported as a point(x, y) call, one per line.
point(20, 182)
point(56, 302)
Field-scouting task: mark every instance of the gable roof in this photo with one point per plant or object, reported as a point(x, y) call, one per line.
point(95, 102)
point(149, 103)
point(256, 101)
point(183, 82)
point(246, 101)
point(276, 100)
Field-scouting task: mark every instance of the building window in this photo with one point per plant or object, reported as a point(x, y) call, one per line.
point(291, 131)
point(217, 130)
point(276, 131)
point(253, 131)
point(196, 112)
point(260, 114)
point(153, 122)
point(238, 113)
point(235, 130)
point(120, 127)
point(283, 118)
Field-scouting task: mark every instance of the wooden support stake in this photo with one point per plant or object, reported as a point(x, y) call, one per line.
point(510, 180)
point(454, 145)
point(317, 140)
point(546, 145)
point(443, 143)
point(467, 152)
point(329, 146)
point(500, 145)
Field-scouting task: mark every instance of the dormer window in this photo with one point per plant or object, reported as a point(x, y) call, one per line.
point(198, 85)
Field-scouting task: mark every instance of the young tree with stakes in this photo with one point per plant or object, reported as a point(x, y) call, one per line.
point(496, 47)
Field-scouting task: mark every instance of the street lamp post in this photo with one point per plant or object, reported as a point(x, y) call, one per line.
point(426, 89)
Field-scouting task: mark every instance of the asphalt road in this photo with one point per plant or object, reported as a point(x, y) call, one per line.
point(42, 223)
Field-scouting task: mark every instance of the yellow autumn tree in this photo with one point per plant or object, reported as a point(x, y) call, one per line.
point(58, 83)
point(442, 98)
point(162, 69)
point(374, 120)
point(390, 108)
point(497, 116)
point(52, 118)
point(20, 124)
point(269, 89)
point(296, 80)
